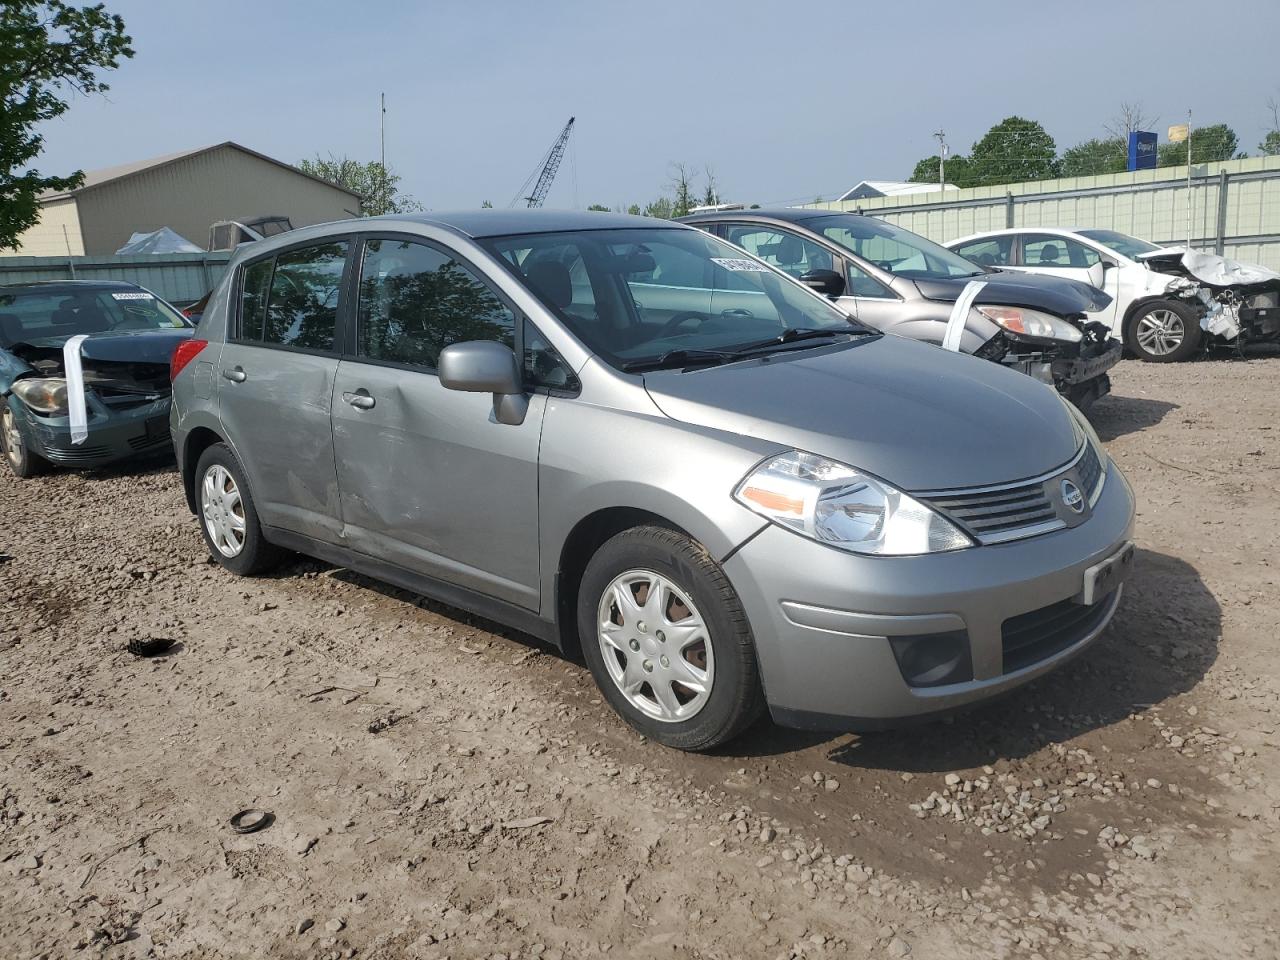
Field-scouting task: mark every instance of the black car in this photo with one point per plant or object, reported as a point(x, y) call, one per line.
point(120, 340)
point(901, 283)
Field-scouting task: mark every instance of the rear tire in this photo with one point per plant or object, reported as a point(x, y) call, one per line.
point(695, 631)
point(1163, 331)
point(228, 518)
point(22, 463)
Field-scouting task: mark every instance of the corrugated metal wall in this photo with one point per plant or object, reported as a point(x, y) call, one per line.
point(57, 234)
point(1235, 207)
point(177, 277)
point(190, 194)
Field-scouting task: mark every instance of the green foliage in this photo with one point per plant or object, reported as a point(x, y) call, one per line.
point(634, 209)
point(378, 188)
point(1270, 145)
point(47, 50)
point(600, 207)
point(958, 171)
point(682, 186)
point(1095, 157)
point(663, 208)
point(487, 205)
point(1209, 143)
point(1013, 151)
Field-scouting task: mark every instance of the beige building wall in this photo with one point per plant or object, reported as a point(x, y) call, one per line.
point(57, 234)
point(191, 193)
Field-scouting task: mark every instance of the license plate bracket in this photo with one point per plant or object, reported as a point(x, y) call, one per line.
point(1102, 578)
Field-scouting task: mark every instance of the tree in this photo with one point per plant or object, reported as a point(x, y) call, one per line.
point(1013, 151)
point(958, 171)
point(600, 207)
point(1094, 157)
point(1270, 145)
point(634, 210)
point(1131, 117)
point(681, 184)
point(378, 188)
point(47, 49)
point(662, 208)
point(711, 196)
point(1214, 142)
point(487, 205)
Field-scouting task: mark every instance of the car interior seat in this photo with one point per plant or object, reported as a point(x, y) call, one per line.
point(1050, 253)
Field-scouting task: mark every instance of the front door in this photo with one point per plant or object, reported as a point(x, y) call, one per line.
point(429, 480)
point(275, 379)
point(1058, 256)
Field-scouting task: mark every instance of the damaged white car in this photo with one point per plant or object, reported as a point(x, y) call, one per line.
point(1167, 302)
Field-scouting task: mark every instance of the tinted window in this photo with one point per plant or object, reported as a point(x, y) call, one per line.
point(786, 251)
point(543, 367)
point(416, 300)
point(293, 300)
point(1042, 250)
point(992, 252)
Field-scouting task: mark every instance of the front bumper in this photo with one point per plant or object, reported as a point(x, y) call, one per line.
point(1095, 359)
point(822, 618)
point(114, 434)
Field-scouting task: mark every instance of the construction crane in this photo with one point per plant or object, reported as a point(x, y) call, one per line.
point(545, 172)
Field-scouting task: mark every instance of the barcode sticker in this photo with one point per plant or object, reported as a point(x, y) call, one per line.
point(740, 266)
point(133, 296)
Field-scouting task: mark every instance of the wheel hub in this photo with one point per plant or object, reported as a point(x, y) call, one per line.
point(223, 510)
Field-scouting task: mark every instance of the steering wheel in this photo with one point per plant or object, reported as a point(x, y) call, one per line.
point(680, 319)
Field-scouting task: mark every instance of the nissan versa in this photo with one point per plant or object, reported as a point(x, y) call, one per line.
point(632, 439)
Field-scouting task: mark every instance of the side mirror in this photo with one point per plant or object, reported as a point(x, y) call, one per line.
point(1098, 273)
point(826, 282)
point(484, 366)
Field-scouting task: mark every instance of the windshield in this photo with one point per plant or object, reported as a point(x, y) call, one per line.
point(35, 314)
point(1120, 243)
point(637, 296)
point(891, 248)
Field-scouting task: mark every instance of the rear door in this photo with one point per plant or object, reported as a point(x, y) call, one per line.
point(275, 381)
point(429, 480)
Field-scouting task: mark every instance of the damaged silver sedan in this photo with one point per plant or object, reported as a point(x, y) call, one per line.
point(84, 373)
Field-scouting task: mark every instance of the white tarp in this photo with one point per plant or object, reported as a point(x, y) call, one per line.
point(163, 240)
point(1217, 271)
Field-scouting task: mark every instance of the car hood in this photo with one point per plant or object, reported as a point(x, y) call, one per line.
point(1208, 268)
point(1056, 295)
point(136, 346)
point(914, 415)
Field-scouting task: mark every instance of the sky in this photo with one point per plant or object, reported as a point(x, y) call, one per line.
point(785, 103)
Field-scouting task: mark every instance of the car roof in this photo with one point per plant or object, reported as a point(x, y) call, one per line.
point(496, 223)
point(767, 214)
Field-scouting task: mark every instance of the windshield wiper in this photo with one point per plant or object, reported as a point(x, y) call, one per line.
point(679, 358)
point(795, 334)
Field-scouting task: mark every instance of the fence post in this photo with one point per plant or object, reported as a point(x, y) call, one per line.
point(1008, 210)
point(1219, 243)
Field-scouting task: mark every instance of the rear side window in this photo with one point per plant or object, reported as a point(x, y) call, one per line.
point(789, 253)
point(992, 252)
point(292, 300)
point(415, 300)
point(1042, 250)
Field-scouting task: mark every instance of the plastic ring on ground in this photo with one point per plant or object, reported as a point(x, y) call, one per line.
point(250, 821)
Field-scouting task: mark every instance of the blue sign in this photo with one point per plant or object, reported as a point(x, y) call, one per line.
point(1142, 150)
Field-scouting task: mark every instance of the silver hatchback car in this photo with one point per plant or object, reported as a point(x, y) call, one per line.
point(633, 440)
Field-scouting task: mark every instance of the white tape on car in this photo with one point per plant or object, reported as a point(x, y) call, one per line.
point(75, 388)
point(959, 314)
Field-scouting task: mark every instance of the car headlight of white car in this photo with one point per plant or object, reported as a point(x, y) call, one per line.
point(43, 395)
point(844, 507)
point(1031, 324)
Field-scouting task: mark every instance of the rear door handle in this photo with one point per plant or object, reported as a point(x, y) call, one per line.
point(360, 400)
point(236, 375)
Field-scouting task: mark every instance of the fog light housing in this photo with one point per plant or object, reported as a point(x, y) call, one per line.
point(933, 659)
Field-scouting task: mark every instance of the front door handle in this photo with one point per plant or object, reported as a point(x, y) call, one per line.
point(236, 375)
point(360, 400)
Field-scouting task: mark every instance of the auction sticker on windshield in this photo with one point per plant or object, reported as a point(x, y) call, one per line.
point(132, 296)
point(740, 266)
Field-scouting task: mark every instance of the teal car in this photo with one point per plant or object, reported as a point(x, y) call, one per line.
point(130, 335)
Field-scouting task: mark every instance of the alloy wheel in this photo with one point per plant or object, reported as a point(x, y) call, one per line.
point(656, 646)
point(223, 510)
point(1160, 332)
point(12, 437)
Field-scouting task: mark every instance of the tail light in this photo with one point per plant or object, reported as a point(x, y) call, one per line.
point(186, 352)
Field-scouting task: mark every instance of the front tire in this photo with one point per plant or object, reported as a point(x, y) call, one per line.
point(228, 518)
point(23, 463)
point(1163, 331)
point(667, 640)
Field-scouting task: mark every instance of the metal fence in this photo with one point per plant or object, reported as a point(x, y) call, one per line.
point(180, 278)
point(1231, 208)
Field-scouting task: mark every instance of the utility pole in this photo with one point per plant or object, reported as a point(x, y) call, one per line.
point(1190, 204)
point(382, 185)
point(941, 137)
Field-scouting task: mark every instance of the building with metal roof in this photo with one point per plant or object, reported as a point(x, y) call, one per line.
point(891, 188)
point(186, 191)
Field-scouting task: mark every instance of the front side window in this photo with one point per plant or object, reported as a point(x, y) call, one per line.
point(786, 251)
point(1045, 250)
point(415, 300)
point(291, 300)
point(991, 252)
point(893, 249)
point(634, 296)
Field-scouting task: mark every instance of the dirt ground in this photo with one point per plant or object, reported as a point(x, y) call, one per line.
point(440, 788)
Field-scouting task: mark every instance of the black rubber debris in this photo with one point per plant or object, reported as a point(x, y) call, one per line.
point(150, 646)
point(251, 821)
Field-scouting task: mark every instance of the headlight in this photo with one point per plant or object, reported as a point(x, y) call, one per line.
point(41, 395)
point(843, 507)
point(1031, 323)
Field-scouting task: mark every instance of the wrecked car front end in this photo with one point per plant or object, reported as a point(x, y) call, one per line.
point(1241, 301)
